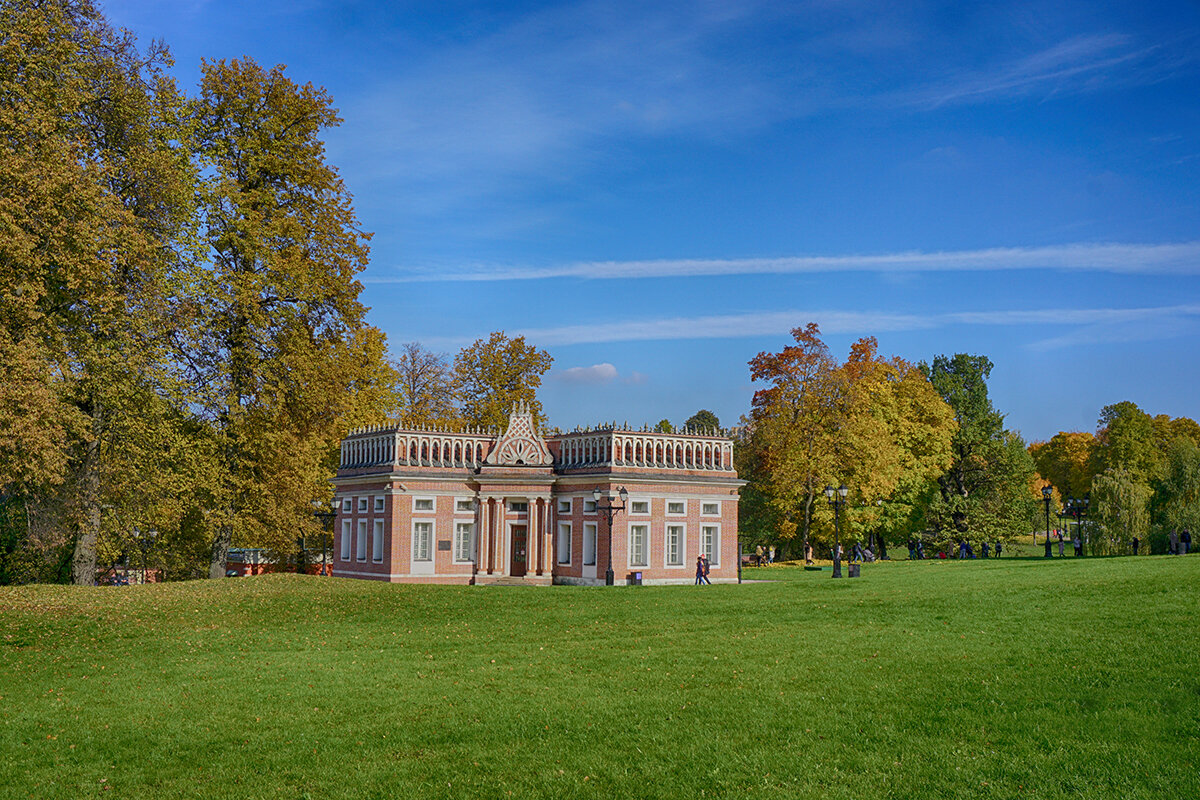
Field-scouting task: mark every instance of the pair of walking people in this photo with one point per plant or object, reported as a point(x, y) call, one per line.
point(702, 570)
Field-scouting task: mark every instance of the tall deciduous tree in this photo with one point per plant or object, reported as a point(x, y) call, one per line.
point(425, 387)
point(986, 493)
point(703, 420)
point(1066, 461)
point(288, 359)
point(1126, 439)
point(95, 204)
point(493, 374)
point(1119, 511)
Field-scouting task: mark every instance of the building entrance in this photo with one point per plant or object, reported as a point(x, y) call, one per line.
point(519, 548)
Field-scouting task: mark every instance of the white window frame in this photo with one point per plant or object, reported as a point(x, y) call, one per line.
point(464, 542)
point(633, 507)
point(564, 506)
point(714, 558)
point(378, 504)
point(706, 504)
point(590, 529)
point(362, 505)
point(432, 505)
point(377, 542)
point(680, 544)
point(347, 539)
point(645, 542)
point(512, 506)
point(464, 505)
point(347, 505)
point(681, 513)
point(360, 543)
point(563, 543)
point(422, 551)
point(589, 506)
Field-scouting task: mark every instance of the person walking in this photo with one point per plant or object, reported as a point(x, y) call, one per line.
point(920, 550)
point(758, 554)
point(997, 548)
point(1078, 546)
point(808, 553)
point(1135, 544)
point(912, 549)
point(1173, 543)
point(1185, 540)
point(1060, 544)
point(771, 554)
point(699, 570)
point(706, 565)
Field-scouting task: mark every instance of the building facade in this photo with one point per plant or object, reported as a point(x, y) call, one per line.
point(426, 506)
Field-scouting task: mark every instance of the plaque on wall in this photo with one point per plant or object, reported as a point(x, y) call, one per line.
point(443, 544)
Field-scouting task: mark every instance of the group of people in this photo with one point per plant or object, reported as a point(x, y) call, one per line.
point(1178, 544)
point(702, 570)
point(761, 553)
point(916, 549)
point(1075, 543)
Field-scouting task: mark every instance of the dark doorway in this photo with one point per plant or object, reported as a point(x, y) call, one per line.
point(518, 551)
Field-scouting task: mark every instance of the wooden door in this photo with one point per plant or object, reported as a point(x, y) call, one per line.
point(519, 549)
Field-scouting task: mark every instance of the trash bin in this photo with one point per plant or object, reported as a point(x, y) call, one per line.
point(854, 570)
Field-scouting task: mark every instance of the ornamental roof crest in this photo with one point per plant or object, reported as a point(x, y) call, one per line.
point(520, 444)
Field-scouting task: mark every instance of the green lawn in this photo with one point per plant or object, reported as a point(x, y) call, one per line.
point(1014, 678)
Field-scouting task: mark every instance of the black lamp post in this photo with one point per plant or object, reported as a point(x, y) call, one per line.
point(1046, 492)
point(1077, 508)
point(325, 515)
point(837, 499)
point(609, 511)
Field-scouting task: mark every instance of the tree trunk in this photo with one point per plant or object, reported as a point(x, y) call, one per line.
point(220, 551)
point(87, 521)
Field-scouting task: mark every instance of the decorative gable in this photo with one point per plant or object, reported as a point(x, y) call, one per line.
point(520, 445)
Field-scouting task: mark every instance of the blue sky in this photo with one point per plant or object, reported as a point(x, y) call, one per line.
point(656, 192)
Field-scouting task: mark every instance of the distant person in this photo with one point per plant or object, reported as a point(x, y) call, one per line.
point(998, 548)
point(1135, 544)
point(758, 554)
point(1060, 544)
point(962, 548)
point(1185, 540)
point(984, 549)
point(1078, 546)
point(1173, 543)
point(699, 570)
point(706, 567)
point(808, 553)
point(771, 554)
point(970, 551)
point(858, 551)
point(920, 550)
point(912, 549)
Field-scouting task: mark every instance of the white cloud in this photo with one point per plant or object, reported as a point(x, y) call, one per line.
point(595, 374)
point(1171, 258)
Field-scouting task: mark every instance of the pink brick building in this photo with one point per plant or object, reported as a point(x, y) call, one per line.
point(424, 506)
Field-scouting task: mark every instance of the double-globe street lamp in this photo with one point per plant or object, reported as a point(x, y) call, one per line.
point(1046, 492)
point(837, 499)
point(1077, 507)
point(609, 511)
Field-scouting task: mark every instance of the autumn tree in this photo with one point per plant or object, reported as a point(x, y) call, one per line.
point(283, 350)
point(95, 210)
point(986, 492)
point(425, 387)
point(1066, 461)
point(493, 374)
point(1126, 439)
point(1119, 511)
point(875, 424)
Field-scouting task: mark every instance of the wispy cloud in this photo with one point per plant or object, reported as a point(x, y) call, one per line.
point(1132, 321)
point(595, 374)
point(1181, 258)
point(1080, 63)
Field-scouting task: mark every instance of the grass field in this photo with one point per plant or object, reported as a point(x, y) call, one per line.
point(1015, 678)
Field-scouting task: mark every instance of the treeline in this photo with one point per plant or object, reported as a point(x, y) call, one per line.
point(1139, 473)
point(182, 343)
point(923, 452)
